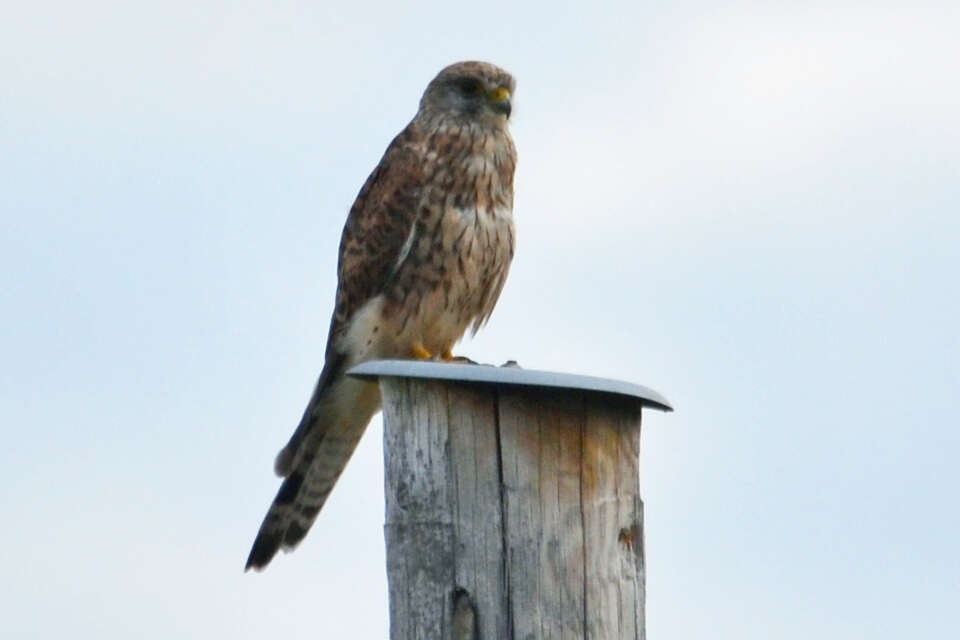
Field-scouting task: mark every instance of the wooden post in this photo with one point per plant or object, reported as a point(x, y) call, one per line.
point(513, 512)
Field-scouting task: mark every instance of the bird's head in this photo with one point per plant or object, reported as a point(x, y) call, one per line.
point(473, 91)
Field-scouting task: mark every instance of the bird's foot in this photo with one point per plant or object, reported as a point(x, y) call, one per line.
point(447, 356)
point(419, 352)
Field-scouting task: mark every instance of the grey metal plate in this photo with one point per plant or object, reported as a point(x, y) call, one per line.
point(508, 375)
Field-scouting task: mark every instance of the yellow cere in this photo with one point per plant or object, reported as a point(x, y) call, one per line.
point(499, 94)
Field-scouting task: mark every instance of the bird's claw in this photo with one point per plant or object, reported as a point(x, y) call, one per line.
point(418, 352)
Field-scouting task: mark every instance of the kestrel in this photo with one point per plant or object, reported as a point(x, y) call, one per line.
point(423, 257)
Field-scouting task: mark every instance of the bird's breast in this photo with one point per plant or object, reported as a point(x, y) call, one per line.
point(458, 253)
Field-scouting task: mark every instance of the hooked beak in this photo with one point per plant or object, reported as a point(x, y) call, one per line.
point(500, 100)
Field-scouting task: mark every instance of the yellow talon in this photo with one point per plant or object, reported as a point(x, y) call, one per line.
point(449, 357)
point(418, 352)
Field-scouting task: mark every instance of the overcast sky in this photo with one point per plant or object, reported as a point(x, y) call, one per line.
point(751, 207)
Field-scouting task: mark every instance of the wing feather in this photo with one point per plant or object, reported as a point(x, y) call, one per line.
point(380, 228)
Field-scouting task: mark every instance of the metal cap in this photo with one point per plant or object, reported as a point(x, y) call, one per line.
point(506, 376)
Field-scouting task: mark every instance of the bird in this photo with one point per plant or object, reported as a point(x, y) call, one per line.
point(423, 258)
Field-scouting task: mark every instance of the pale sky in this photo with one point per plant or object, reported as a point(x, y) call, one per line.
point(751, 207)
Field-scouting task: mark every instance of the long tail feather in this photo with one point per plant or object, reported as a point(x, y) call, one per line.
point(333, 369)
point(342, 411)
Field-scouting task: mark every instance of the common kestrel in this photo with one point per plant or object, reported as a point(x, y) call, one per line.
point(423, 257)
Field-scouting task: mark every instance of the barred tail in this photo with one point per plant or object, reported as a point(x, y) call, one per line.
point(339, 414)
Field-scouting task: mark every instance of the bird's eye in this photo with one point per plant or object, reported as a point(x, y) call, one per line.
point(470, 86)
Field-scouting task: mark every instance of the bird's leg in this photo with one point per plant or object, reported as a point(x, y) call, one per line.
point(419, 352)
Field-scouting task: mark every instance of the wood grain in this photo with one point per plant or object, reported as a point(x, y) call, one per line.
point(514, 513)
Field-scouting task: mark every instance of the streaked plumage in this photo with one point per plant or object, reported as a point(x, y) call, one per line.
point(423, 257)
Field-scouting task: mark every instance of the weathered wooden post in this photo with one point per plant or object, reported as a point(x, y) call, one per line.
point(513, 509)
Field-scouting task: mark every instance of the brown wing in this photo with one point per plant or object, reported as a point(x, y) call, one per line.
point(379, 223)
point(378, 227)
